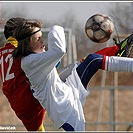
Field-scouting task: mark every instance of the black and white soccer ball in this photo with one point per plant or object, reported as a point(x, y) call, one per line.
point(99, 28)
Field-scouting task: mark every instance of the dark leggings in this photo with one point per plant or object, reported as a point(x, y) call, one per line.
point(85, 71)
point(89, 67)
point(67, 127)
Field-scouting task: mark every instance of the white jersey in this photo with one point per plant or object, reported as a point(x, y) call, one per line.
point(59, 98)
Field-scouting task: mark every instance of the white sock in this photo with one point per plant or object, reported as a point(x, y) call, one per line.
point(117, 64)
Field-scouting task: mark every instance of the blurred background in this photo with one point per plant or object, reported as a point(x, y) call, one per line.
point(109, 107)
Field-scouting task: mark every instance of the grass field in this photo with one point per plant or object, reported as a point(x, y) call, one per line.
point(96, 110)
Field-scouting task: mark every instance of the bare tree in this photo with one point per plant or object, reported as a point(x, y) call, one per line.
point(83, 43)
point(122, 16)
point(18, 11)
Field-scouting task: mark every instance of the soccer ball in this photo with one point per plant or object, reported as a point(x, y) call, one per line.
point(99, 28)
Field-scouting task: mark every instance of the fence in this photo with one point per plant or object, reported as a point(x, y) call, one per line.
point(107, 108)
point(115, 119)
point(109, 121)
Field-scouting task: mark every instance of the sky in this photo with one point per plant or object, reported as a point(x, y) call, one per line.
point(55, 10)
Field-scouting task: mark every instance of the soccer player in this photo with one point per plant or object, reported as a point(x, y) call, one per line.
point(122, 49)
point(16, 86)
point(62, 100)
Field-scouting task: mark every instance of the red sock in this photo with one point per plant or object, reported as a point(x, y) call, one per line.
point(109, 51)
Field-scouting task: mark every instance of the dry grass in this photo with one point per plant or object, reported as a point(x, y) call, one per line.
point(123, 106)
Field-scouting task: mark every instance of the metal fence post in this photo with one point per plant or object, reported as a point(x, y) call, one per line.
point(112, 110)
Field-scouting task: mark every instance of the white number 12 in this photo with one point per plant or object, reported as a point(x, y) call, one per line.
point(8, 74)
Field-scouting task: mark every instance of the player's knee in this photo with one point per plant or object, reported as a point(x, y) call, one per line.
point(94, 56)
point(95, 59)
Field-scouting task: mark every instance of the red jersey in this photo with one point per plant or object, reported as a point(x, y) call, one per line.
point(17, 90)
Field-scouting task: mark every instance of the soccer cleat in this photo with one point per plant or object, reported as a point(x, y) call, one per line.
point(125, 47)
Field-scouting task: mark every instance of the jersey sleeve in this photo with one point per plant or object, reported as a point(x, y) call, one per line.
point(47, 60)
